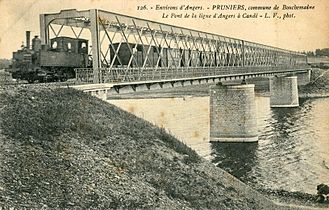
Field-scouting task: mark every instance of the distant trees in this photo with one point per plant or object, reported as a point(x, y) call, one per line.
point(308, 53)
point(322, 52)
point(317, 52)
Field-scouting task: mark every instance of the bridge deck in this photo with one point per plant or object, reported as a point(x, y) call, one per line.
point(193, 80)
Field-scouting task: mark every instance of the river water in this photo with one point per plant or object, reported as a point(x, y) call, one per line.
point(293, 148)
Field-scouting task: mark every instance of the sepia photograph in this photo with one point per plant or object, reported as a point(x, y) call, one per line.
point(149, 104)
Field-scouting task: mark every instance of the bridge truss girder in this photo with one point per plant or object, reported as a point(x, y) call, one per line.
point(122, 45)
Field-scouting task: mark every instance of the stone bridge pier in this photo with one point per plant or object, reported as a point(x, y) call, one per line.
point(304, 78)
point(284, 91)
point(233, 113)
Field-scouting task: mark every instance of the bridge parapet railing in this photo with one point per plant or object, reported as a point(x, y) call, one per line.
point(117, 75)
point(84, 75)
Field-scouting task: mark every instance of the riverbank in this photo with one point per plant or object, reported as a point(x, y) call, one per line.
point(318, 87)
point(61, 148)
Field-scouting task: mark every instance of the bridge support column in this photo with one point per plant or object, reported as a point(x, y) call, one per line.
point(233, 113)
point(96, 49)
point(284, 92)
point(304, 78)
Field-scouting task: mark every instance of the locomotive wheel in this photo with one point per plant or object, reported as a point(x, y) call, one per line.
point(44, 79)
point(63, 78)
point(320, 198)
point(30, 80)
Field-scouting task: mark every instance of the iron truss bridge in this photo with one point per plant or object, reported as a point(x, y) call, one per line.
point(129, 49)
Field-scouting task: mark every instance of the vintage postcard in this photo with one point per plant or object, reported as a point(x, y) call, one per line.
point(173, 104)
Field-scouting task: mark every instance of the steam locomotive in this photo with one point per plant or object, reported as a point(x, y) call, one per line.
point(46, 63)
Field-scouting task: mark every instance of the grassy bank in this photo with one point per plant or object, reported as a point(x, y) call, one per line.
point(61, 148)
point(319, 85)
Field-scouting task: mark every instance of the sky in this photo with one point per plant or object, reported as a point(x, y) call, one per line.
point(306, 31)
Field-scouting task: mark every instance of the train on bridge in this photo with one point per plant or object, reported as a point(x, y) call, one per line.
point(57, 62)
point(45, 63)
point(125, 49)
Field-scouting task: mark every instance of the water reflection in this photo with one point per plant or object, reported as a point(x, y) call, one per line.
point(284, 120)
point(289, 149)
point(236, 158)
point(292, 152)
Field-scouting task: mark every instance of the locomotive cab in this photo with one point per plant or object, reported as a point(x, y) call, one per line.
point(68, 44)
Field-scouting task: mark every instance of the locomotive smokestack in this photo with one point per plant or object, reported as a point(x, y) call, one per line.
point(28, 33)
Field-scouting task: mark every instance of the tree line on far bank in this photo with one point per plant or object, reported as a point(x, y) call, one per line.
point(317, 52)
